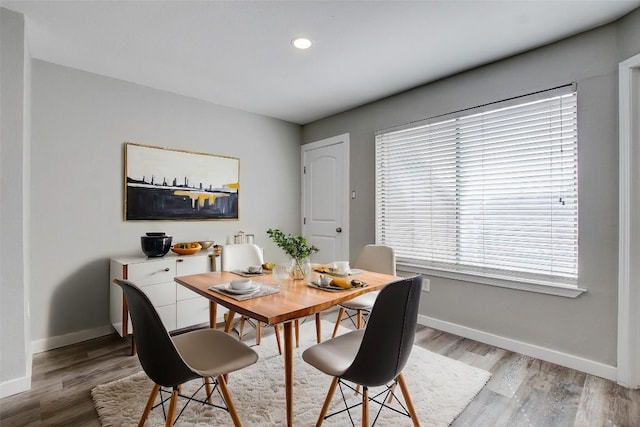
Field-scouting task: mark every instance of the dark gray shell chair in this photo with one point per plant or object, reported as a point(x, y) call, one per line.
point(376, 355)
point(378, 258)
point(170, 362)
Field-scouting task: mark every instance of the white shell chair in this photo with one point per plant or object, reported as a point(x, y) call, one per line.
point(239, 257)
point(376, 258)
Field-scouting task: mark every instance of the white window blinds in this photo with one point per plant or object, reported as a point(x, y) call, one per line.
point(489, 191)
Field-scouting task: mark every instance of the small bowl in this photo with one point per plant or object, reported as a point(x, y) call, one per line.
point(241, 284)
point(254, 269)
point(206, 244)
point(341, 267)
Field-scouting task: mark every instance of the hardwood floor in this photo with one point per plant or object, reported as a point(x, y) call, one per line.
point(523, 391)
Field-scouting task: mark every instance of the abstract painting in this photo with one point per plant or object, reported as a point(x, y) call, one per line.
point(169, 184)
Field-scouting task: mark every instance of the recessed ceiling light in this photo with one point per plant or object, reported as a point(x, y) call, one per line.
point(301, 43)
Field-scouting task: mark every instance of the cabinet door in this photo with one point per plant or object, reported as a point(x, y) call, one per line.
point(161, 294)
point(167, 314)
point(192, 265)
point(192, 312)
point(183, 293)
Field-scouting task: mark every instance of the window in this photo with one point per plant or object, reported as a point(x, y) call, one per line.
point(490, 191)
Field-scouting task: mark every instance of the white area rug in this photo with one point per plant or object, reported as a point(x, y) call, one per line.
point(440, 389)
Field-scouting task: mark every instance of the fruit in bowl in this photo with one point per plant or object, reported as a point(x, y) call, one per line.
point(268, 266)
point(186, 248)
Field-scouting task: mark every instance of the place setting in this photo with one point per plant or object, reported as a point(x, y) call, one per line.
point(243, 289)
point(334, 277)
point(250, 271)
point(338, 269)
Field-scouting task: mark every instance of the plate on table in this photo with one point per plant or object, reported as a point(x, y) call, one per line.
point(325, 269)
point(329, 288)
point(247, 273)
point(247, 291)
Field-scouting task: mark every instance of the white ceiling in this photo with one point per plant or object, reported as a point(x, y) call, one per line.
point(238, 53)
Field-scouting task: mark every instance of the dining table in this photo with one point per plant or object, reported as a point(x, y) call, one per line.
point(294, 299)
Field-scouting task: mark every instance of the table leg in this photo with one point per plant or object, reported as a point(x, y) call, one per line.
point(213, 314)
point(318, 328)
point(227, 328)
point(288, 370)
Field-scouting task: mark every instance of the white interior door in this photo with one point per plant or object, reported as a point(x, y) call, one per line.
point(325, 197)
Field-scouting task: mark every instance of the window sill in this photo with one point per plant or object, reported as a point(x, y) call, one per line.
point(567, 291)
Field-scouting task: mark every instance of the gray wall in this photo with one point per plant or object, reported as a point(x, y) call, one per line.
point(586, 326)
point(629, 35)
point(80, 122)
point(15, 345)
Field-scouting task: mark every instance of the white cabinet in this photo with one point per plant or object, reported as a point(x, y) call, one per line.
point(177, 306)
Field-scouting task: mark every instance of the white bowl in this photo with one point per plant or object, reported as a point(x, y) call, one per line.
point(254, 269)
point(325, 280)
point(241, 284)
point(342, 267)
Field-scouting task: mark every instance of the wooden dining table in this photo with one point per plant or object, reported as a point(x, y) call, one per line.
point(295, 299)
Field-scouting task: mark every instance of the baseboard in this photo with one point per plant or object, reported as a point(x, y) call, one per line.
point(50, 343)
point(563, 359)
point(15, 386)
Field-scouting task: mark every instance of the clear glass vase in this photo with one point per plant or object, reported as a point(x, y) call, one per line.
point(299, 268)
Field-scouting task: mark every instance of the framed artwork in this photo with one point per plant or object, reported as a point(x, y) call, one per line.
point(168, 184)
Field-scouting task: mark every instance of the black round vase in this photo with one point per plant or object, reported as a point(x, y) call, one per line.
point(155, 244)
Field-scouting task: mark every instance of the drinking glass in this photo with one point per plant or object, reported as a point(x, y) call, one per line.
point(279, 273)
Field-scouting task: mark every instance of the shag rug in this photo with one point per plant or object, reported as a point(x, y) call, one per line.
point(440, 388)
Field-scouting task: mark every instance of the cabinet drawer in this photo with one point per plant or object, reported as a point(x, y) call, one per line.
point(161, 294)
point(192, 312)
point(183, 293)
point(149, 273)
point(192, 265)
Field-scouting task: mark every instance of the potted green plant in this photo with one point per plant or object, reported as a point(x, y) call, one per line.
point(298, 250)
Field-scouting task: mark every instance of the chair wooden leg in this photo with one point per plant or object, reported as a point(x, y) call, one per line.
point(365, 407)
point(318, 328)
point(393, 388)
point(241, 327)
point(407, 400)
point(338, 320)
point(327, 401)
point(258, 332)
point(150, 402)
point(359, 323)
point(207, 388)
point(227, 398)
point(173, 407)
point(276, 331)
point(229, 324)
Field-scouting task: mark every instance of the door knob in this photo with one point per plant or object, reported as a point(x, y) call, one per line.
point(339, 230)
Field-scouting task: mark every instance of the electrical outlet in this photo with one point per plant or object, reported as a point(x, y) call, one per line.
point(426, 285)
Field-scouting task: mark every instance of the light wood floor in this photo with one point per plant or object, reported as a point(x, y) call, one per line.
point(523, 391)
